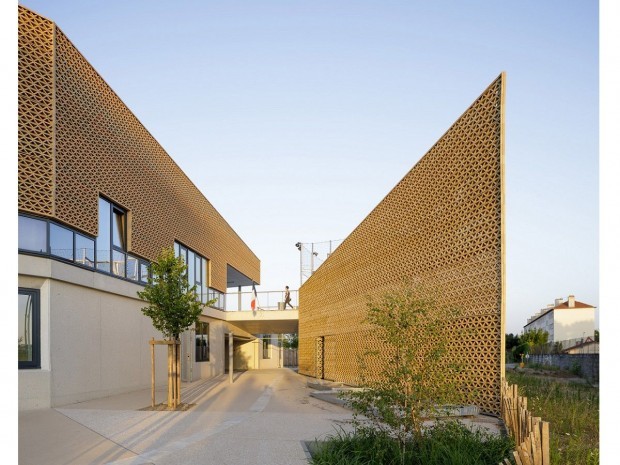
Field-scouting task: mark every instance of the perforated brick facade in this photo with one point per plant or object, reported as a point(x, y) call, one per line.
point(442, 225)
point(77, 141)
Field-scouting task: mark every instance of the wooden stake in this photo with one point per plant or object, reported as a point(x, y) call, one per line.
point(178, 348)
point(170, 377)
point(153, 372)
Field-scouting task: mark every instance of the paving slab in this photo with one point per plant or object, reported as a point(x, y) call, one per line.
point(265, 416)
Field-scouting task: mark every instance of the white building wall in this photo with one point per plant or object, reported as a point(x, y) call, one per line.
point(574, 323)
point(274, 353)
point(545, 323)
point(94, 338)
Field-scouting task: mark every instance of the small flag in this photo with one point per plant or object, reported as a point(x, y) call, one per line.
point(254, 298)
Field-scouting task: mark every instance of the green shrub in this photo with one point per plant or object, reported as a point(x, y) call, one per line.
point(447, 443)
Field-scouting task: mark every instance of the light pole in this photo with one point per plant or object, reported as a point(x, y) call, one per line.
point(299, 245)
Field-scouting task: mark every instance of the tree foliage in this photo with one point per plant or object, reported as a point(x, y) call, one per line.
point(172, 304)
point(290, 341)
point(419, 369)
point(530, 340)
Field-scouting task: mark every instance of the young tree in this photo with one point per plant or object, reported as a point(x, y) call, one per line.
point(173, 306)
point(419, 370)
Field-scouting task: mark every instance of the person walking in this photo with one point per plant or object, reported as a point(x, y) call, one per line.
point(287, 298)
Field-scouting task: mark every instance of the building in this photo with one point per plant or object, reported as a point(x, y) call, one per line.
point(98, 200)
point(441, 225)
point(564, 320)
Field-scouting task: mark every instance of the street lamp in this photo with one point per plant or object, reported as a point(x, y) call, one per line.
point(298, 245)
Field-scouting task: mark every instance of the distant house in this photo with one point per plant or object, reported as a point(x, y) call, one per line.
point(564, 320)
point(583, 346)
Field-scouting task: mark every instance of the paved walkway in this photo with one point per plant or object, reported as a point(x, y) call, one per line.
point(263, 417)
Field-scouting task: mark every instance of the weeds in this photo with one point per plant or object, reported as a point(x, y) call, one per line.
point(573, 413)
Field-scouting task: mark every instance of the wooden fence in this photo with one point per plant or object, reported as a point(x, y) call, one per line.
point(531, 434)
point(290, 357)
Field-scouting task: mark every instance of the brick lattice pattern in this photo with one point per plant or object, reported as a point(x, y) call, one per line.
point(77, 141)
point(442, 226)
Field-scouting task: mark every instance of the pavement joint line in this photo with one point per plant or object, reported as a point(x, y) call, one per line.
point(152, 455)
point(260, 403)
point(97, 433)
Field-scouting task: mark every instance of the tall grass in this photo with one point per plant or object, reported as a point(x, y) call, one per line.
point(446, 443)
point(573, 413)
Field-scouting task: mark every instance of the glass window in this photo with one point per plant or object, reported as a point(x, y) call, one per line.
point(118, 228)
point(118, 267)
point(103, 240)
point(144, 272)
point(191, 262)
point(266, 341)
point(198, 270)
point(205, 289)
point(133, 265)
point(61, 242)
point(84, 250)
point(202, 342)
point(28, 329)
point(32, 234)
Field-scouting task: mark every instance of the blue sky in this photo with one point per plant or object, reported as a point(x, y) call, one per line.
point(295, 118)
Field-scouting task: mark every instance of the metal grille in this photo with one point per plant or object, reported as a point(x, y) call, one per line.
point(442, 225)
point(102, 149)
point(36, 110)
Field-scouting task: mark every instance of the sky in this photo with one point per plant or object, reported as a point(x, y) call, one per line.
point(296, 118)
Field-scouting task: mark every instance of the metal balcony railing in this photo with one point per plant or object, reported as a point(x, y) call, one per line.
point(266, 300)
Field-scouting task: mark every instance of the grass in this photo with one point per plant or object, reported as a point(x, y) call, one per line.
point(573, 413)
point(446, 443)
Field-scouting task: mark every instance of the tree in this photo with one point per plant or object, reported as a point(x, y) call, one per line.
point(512, 340)
point(173, 306)
point(290, 341)
point(529, 340)
point(418, 369)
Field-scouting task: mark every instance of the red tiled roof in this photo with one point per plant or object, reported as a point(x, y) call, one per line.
point(564, 306)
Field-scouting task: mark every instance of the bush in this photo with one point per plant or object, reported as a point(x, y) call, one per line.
point(447, 442)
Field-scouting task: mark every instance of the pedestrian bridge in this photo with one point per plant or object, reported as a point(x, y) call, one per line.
point(268, 316)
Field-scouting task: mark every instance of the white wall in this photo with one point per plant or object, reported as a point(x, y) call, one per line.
point(545, 323)
point(574, 323)
point(94, 337)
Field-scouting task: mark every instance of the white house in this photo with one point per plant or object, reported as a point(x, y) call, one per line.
point(564, 320)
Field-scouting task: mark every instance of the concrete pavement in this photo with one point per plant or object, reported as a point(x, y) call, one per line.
point(263, 417)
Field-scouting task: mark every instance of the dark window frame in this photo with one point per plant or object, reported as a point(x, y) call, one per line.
point(266, 344)
point(203, 351)
point(35, 363)
point(74, 262)
point(199, 280)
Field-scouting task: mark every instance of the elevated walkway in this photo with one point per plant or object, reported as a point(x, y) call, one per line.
point(268, 317)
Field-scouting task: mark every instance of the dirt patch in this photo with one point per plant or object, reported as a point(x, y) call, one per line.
point(164, 408)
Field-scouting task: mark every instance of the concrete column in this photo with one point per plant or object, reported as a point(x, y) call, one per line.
point(230, 357)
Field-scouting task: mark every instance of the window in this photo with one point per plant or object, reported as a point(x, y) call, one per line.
point(32, 234)
point(42, 236)
point(196, 270)
point(112, 239)
point(202, 342)
point(266, 346)
point(84, 250)
point(28, 330)
point(61, 242)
